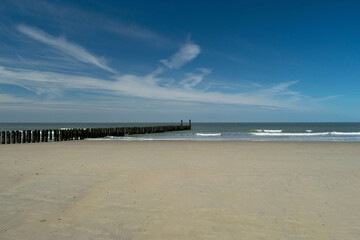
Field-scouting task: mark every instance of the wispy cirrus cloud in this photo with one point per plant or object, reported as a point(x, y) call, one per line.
point(186, 53)
point(193, 79)
point(64, 46)
point(141, 86)
point(71, 17)
point(148, 86)
point(6, 99)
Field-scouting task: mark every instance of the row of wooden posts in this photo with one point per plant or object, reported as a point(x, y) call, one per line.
point(56, 135)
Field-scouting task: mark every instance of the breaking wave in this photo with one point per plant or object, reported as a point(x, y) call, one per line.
point(287, 134)
point(208, 134)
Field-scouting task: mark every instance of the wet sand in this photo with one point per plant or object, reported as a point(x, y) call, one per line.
point(180, 190)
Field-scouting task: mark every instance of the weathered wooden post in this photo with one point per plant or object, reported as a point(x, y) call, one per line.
point(50, 135)
point(71, 133)
point(12, 137)
point(23, 136)
point(28, 136)
point(56, 135)
point(84, 133)
point(33, 137)
point(46, 135)
point(66, 135)
point(3, 137)
point(181, 123)
point(87, 133)
point(75, 134)
point(38, 136)
point(42, 135)
point(7, 137)
point(189, 124)
point(18, 137)
point(59, 135)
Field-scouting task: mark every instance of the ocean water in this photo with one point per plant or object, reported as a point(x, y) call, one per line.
point(346, 132)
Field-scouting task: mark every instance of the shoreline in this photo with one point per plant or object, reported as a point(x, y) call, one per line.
point(180, 140)
point(180, 190)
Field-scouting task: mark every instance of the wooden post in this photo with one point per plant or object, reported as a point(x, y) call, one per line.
point(18, 137)
point(12, 137)
point(7, 137)
point(50, 135)
point(59, 134)
point(75, 134)
point(46, 135)
point(181, 123)
point(43, 135)
point(38, 136)
point(28, 136)
point(3, 137)
point(190, 123)
point(81, 134)
point(23, 136)
point(56, 135)
point(33, 136)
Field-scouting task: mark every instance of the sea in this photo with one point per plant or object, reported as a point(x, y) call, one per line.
point(221, 131)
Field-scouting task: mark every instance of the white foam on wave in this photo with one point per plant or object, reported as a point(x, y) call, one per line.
point(346, 133)
point(308, 133)
point(290, 134)
point(111, 138)
point(269, 131)
point(208, 134)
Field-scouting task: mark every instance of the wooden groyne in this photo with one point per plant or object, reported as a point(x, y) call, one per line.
point(57, 135)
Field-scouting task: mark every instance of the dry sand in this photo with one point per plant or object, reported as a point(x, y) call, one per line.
point(180, 190)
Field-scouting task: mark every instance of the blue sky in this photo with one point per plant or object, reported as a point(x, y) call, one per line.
point(142, 61)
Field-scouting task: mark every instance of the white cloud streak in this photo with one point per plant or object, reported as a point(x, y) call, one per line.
point(193, 79)
point(186, 53)
point(150, 86)
point(143, 87)
point(6, 98)
point(64, 46)
point(76, 18)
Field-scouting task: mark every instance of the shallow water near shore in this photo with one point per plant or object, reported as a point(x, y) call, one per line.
point(328, 132)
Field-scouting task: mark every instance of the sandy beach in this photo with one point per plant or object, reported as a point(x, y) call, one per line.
point(180, 190)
